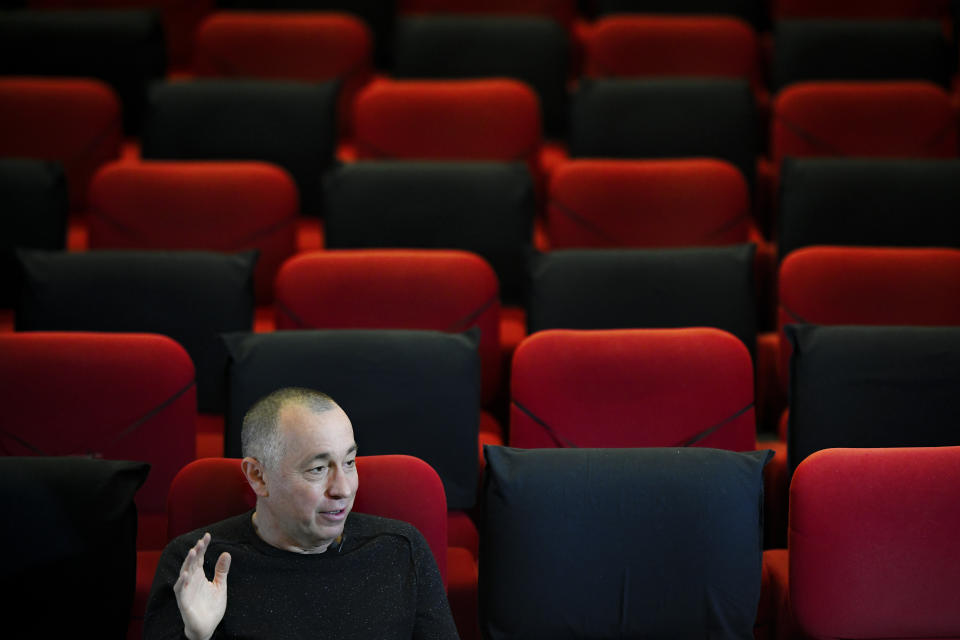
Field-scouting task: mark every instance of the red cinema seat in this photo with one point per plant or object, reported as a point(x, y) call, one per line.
point(395, 289)
point(868, 286)
point(632, 388)
point(307, 46)
point(494, 119)
point(873, 543)
point(216, 206)
point(910, 119)
point(861, 9)
point(392, 486)
point(672, 45)
point(74, 121)
point(648, 203)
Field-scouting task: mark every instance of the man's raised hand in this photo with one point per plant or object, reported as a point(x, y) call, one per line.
point(202, 603)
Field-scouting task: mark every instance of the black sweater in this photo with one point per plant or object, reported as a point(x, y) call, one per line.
point(381, 583)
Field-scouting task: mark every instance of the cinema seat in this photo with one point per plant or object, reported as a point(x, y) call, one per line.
point(306, 46)
point(873, 545)
point(76, 122)
point(395, 289)
point(632, 388)
point(291, 124)
point(749, 10)
point(861, 9)
point(216, 206)
point(562, 11)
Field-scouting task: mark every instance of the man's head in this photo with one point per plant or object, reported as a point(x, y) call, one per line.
point(300, 458)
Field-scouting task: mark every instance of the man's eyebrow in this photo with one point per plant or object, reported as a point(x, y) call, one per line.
point(324, 456)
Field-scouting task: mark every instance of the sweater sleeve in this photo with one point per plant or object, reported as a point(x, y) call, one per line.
point(434, 621)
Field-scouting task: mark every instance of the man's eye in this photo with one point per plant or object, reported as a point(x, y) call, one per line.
point(350, 463)
point(318, 470)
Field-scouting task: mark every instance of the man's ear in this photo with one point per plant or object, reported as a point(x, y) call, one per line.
point(253, 470)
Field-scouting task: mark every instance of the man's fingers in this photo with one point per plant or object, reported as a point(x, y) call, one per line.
point(223, 567)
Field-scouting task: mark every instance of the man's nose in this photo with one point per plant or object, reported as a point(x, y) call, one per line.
point(339, 486)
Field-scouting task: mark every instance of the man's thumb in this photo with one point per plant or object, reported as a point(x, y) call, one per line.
point(222, 568)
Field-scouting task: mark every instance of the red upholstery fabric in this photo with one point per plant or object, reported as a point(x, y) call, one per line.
point(904, 9)
point(116, 396)
point(180, 19)
point(652, 45)
point(484, 119)
point(873, 543)
point(308, 46)
point(563, 11)
point(74, 121)
point(632, 388)
point(394, 289)
point(221, 206)
point(890, 119)
point(871, 286)
point(647, 203)
point(400, 487)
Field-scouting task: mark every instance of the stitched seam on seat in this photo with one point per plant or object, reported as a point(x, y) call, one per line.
point(712, 429)
point(559, 439)
point(471, 318)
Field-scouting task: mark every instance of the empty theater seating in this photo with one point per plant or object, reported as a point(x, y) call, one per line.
point(290, 124)
point(530, 49)
point(868, 202)
point(632, 388)
point(217, 206)
point(872, 546)
point(191, 296)
point(563, 11)
point(395, 289)
point(74, 121)
point(648, 203)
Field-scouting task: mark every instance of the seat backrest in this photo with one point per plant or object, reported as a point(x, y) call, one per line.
point(395, 289)
point(75, 519)
point(114, 396)
point(861, 386)
point(391, 486)
point(869, 202)
point(860, 50)
point(666, 118)
point(872, 9)
point(485, 208)
point(481, 119)
point(664, 542)
point(34, 205)
point(907, 119)
point(73, 121)
point(645, 289)
point(868, 286)
point(873, 543)
point(305, 46)
point(216, 206)
point(125, 49)
point(291, 124)
point(191, 296)
point(647, 203)
point(632, 388)
point(563, 11)
point(531, 49)
point(406, 391)
point(652, 45)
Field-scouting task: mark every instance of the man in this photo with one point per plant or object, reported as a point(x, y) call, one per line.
point(300, 565)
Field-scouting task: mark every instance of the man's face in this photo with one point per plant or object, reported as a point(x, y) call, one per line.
point(312, 488)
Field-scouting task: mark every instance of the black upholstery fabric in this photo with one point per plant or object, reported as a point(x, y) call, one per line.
point(380, 16)
point(645, 288)
point(33, 215)
point(534, 50)
point(665, 118)
point(288, 123)
point(621, 543)
point(411, 392)
point(483, 207)
point(70, 530)
point(124, 48)
point(750, 10)
point(869, 202)
point(856, 386)
point(191, 296)
point(860, 50)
